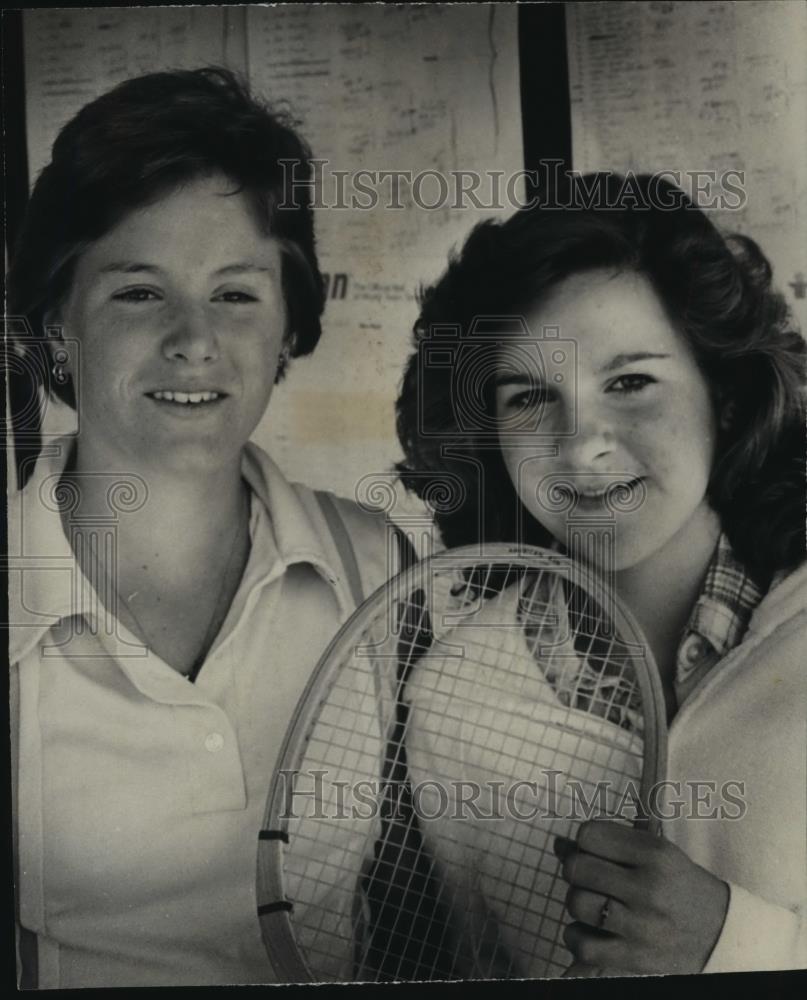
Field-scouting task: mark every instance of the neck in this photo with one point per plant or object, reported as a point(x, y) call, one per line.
point(186, 522)
point(661, 592)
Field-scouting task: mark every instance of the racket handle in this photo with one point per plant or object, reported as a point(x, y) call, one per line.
point(273, 913)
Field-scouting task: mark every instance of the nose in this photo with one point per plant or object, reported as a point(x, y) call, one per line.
point(191, 337)
point(590, 445)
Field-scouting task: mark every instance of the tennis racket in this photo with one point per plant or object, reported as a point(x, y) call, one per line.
point(475, 707)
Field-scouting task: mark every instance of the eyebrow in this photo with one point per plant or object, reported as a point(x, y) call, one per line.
point(137, 267)
point(127, 267)
point(523, 378)
point(627, 359)
point(245, 268)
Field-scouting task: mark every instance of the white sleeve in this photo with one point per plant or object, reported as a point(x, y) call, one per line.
point(759, 935)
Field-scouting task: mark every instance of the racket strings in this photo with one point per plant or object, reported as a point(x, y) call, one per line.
point(549, 615)
point(584, 696)
point(608, 672)
point(496, 671)
point(601, 680)
point(401, 889)
point(424, 952)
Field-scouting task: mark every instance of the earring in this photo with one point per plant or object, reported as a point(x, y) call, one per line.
point(727, 415)
point(282, 363)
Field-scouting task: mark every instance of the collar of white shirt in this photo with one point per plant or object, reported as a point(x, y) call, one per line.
point(43, 571)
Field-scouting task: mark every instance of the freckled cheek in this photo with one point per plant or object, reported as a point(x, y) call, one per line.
point(257, 366)
point(112, 364)
point(261, 336)
point(256, 369)
point(525, 473)
point(240, 322)
point(640, 423)
point(511, 464)
point(674, 446)
point(121, 340)
point(263, 323)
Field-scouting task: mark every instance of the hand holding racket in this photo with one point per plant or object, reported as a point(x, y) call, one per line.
point(483, 704)
point(639, 903)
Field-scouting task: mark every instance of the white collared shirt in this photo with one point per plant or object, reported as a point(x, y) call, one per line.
point(140, 794)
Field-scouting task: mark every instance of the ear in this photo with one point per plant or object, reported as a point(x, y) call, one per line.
point(728, 412)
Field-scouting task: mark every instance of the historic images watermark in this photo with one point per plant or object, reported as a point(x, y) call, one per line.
point(547, 185)
point(315, 794)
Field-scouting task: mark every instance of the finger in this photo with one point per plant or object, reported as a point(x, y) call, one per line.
point(595, 972)
point(562, 846)
point(579, 971)
point(604, 913)
point(616, 842)
point(591, 947)
point(587, 871)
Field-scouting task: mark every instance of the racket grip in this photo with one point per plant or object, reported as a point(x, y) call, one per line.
point(273, 913)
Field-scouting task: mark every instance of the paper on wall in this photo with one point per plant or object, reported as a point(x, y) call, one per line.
point(413, 89)
point(709, 86)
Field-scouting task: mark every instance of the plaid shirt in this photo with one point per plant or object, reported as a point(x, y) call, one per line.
point(718, 620)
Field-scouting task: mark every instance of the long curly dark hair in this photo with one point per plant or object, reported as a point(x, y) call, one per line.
point(717, 290)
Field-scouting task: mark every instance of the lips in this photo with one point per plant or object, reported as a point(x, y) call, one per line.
point(617, 491)
point(598, 494)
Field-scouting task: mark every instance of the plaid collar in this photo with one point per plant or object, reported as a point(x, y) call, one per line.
point(721, 613)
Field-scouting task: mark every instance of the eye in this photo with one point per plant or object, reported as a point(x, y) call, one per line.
point(136, 295)
point(235, 297)
point(529, 399)
point(629, 384)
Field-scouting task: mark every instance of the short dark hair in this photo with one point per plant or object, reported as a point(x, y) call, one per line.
point(142, 139)
point(719, 294)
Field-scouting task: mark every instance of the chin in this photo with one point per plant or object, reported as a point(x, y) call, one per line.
point(606, 551)
point(204, 455)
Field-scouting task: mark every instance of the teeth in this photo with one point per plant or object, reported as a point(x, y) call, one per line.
point(185, 397)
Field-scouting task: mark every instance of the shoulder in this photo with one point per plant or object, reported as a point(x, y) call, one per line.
point(774, 643)
point(784, 606)
point(340, 529)
point(369, 534)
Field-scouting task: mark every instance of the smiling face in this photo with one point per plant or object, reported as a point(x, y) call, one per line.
point(180, 317)
point(637, 416)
